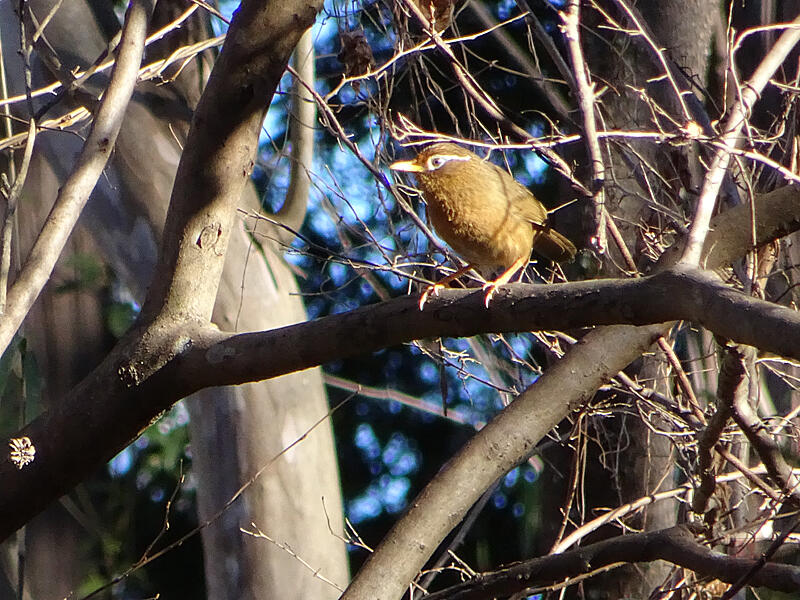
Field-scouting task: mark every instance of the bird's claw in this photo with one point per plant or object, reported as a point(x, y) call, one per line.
point(431, 289)
point(490, 287)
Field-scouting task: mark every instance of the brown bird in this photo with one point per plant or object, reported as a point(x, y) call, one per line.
point(483, 213)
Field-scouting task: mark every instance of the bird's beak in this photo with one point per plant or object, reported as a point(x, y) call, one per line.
point(406, 165)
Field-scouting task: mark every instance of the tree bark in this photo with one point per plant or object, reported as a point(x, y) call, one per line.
point(238, 430)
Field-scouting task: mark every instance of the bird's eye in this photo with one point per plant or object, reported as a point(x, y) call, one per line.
point(436, 161)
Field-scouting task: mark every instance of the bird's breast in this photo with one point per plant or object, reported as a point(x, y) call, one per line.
point(487, 234)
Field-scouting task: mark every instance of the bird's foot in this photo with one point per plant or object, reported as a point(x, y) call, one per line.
point(431, 289)
point(490, 287)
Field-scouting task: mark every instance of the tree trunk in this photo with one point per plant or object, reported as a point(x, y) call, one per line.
point(235, 431)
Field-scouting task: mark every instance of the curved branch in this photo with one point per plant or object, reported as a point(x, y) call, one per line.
point(507, 440)
point(301, 134)
point(512, 435)
point(106, 411)
point(737, 402)
point(676, 294)
point(675, 545)
point(91, 162)
point(218, 157)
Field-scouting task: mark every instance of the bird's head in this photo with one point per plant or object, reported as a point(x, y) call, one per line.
point(437, 159)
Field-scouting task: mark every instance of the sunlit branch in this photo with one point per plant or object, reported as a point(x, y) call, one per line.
point(730, 139)
point(75, 192)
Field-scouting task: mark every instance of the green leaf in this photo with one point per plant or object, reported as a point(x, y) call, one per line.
point(119, 317)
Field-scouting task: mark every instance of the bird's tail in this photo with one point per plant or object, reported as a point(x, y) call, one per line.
point(551, 244)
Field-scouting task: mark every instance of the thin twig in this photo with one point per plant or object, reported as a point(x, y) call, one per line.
point(25, 50)
point(54, 87)
point(761, 562)
point(10, 214)
point(577, 468)
point(523, 60)
point(75, 192)
point(585, 90)
point(707, 440)
point(485, 101)
point(257, 533)
point(366, 391)
point(683, 380)
point(755, 432)
point(546, 40)
point(749, 474)
point(626, 509)
point(730, 139)
point(660, 56)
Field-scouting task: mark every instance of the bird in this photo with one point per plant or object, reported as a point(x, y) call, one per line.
point(483, 213)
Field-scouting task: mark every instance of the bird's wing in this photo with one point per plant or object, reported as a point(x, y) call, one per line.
point(523, 203)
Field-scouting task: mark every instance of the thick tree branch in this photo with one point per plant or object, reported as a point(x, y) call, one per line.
point(675, 545)
point(512, 435)
point(109, 408)
point(91, 162)
point(675, 294)
point(134, 380)
point(507, 440)
point(218, 156)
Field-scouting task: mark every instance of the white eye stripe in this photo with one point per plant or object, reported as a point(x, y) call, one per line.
point(437, 161)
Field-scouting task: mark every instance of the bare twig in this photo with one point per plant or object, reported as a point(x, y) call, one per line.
point(329, 119)
point(730, 139)
point(546, 40)
point(25, 51)
point(683, 381)
point(464, 77)
point(10, 214)
point(706, 442)
point(423, 46)
point(585, 90)
point(522, 59)
point(75, 192)
point(257, 533)
point(755, 431)
point(485, 101)
point(661, 57)
point(366, 391)
point(631, 507)
point(676, 545)
point(749, 474)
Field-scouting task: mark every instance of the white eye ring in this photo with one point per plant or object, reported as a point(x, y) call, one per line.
point(439, 160)
point(436, 162)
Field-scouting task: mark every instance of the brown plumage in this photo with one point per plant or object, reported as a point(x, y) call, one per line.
point(483, 213)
